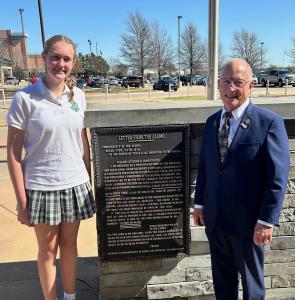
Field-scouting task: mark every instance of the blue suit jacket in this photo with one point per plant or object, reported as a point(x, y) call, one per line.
point(250, 184)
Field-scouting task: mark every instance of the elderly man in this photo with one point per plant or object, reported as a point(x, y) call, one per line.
point(243, 173)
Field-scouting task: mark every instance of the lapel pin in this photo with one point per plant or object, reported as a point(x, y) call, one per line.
point(245, 124)
point(248, 121)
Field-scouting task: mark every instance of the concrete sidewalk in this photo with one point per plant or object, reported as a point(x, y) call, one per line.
point(18, 246)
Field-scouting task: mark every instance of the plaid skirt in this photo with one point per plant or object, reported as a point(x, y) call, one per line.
point(69, 205)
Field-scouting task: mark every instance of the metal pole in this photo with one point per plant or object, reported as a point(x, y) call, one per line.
point(21, 10)
point(41, 23)
point(213, 49)
point(3, 97)
point(286, 86)
point(178, 18)
point(90, 46)
point(261, 55)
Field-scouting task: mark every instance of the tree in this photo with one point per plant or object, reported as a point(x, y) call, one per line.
point(19, 72)
point(161, 49)
point(117, 68)
point(193, 49)
point(95, 65)
point(79, 65)
point(221, 57)
point(246, 45)
point(292, 51)
point(135, 47)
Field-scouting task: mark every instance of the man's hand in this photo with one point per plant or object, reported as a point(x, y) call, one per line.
point(198, 217)
point(262, 234)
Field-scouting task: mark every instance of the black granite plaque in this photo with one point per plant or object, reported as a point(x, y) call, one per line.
point(142, 191)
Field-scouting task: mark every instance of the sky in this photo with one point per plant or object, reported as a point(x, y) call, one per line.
point(104, 22)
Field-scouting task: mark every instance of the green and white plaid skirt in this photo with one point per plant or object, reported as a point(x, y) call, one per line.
point(68, 205)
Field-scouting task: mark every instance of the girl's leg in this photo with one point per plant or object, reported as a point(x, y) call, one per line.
point(47, 237)
point(68, 255)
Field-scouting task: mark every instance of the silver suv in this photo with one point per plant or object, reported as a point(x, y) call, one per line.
point(278, 77)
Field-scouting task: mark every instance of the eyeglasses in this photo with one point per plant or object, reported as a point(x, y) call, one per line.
point(239, 83)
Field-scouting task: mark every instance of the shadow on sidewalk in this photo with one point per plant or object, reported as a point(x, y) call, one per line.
point(19, 280)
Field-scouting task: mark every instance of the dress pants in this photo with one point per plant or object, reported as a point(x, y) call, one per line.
point(234, 257)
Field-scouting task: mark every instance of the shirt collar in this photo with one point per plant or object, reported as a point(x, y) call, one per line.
point(238, 112)
point(45, 90)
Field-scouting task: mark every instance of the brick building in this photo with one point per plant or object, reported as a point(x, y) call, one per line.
point(13, 46)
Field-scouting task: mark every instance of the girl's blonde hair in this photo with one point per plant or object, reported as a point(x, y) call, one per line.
point(62, 38)
point(58, 38)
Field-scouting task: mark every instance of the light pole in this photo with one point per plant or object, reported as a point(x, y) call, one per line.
point(41, 22)
point(178, 19)
point(261, 55)
point(90, 46)
point(21, 11)
point(213, 29)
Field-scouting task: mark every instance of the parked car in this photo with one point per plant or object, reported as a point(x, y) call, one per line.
point(195, 79)
point(278, 78)
point(81, 83)
point(260, 75)
point(11, 80)
point(135, 81)
point(163, 85)
point(203, 80)
point(99, 82)
point(184, 80)
point(153, 79)
point(113, 81)
point(255, 79)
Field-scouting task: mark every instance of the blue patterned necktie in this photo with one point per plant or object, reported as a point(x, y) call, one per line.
point(223, 135)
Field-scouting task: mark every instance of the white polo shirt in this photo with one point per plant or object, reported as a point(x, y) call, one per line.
point(53, 143)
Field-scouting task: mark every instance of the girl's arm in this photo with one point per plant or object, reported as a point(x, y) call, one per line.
point(15, 142)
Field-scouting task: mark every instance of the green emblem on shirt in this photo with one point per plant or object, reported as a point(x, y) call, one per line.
point(74, 106)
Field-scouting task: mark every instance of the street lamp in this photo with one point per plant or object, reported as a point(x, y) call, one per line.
point(178, 19)
point(41, 23)
point(21, 11)
point(90, 46)
point(261, 53)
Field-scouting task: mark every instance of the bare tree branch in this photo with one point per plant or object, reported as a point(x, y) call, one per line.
point(161, 49)
point(193, 49)
point(291, 53)
point(246, 45)
point(136, 43)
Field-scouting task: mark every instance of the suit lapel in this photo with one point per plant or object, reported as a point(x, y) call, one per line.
point(214, 135)
point(245, 124)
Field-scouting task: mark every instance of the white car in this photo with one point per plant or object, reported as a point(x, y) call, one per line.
point(113, 80)
point(11, 80)
point(255, 79)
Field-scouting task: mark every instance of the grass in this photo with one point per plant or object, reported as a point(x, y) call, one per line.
point(180, 98)
point(116, 90)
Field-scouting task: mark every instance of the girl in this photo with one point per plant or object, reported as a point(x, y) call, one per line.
point(51, 182)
